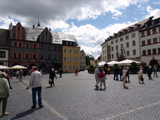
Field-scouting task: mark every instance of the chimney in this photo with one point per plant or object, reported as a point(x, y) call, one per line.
point(33, 26)
point(49, 29)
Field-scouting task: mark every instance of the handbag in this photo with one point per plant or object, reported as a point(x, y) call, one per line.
point(50, 81)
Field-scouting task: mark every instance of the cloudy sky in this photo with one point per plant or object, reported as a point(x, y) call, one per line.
point(91, 21)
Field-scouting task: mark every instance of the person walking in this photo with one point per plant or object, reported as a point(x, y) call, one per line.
point(76, 72)
point(109, 69)
point(8, 78)
point(150, 72)
point(96, 72)
point(124, 77)
point(155, 71)
point(17, 74)
point(36, 84)
point(140, 75)
point(4, 92)
point(20, 75)
point(60, 72)
point(127, 75)
point(102, 78)
point(51, 76)
point(121, 73)
point(117, 72)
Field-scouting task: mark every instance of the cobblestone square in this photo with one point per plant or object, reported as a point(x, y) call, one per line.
point(74, 98)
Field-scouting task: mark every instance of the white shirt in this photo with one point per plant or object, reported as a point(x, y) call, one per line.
point(96, 72)
point(35, 80)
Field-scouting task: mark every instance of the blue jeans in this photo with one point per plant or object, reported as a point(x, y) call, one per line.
point(34, 90)
point(116, 76)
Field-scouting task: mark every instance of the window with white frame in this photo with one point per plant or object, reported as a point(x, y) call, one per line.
point(65, 50)
point(116, 41)
point(127, 53)
point(70, 67)
point(65, 67)
point(134, 52)
point(127, 37)
point(134, 43)
point(65, 59)
point(70, 50)
point(70, 59)
point(127, 44)
point(121, 39)
point(133, 35)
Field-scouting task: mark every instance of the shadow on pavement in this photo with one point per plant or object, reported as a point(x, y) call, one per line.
point(20, 115)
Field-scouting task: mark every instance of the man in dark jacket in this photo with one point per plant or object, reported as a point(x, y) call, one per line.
point(51, 76)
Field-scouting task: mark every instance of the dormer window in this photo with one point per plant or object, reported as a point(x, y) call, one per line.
point(124, 31)
point(152, 22)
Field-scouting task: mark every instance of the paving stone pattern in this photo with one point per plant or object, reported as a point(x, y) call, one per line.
point(74, 98)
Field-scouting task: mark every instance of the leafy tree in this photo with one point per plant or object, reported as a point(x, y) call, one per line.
point(88, 63)
point(143, 64)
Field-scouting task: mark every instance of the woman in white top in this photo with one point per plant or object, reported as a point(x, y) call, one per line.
point(140, 75)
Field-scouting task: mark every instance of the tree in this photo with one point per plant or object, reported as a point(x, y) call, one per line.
point(88, 63)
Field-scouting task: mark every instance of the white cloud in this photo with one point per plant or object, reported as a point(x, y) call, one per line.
point(90, 38)
point(152, 12)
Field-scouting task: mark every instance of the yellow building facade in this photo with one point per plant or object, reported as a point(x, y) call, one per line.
point(71, 58)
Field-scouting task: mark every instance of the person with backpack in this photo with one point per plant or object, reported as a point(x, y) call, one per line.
point(102, 78)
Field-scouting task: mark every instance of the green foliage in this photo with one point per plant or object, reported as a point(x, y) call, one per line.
point(133, 67)
point(106, 66)
point(87, 60)
point(143, 64)
point(91, 68)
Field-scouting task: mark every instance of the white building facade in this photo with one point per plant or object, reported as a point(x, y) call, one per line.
point(124, 44)
point(150, 42)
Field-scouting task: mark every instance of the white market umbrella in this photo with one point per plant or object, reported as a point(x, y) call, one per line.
point(2, 67)
point(111, 63)
point(128, 62)
point(18, 67)
point(102, 63)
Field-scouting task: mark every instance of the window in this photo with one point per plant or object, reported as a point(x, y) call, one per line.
point(70, 50)
point(149, 41)
point(65, 59)
point(65, 67)
point(112, 56)
point(154, 51)
point(19, 55)
point(144, 52)
point(127, 44)
point(127, 53)
point(127, 37)
point(18, 28)
point(134, 52)
point(71, 43)
point(116, 41)
point(34, 56)
point(154, 40)
point(112, 42)
point(15, 55)
point(143, 43)
point(55, 57)
point(148, 32)
point(27, 56)
point(65, 50)
point(35, 46)
point(70, 59)
point(66, 43)
point(133, 35)
point(20, 44)
point(116, 47)
point(42, 46)
point(158, 50)
point(15, 44)
point(2, 54)
point(121, 39)
point(13, 35)
point(49, 57)
point(70, 67)
point(27, 45)
point(41, 56)
point(76, 51)
point(134, 43)
point(154, 30)
point(121, 46)
point(22, 35)
point(112, 48)
point(142, 34)
point(149, 52)
point(55, 47)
